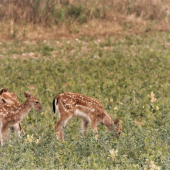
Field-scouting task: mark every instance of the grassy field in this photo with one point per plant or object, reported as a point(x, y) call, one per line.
point(130, 75)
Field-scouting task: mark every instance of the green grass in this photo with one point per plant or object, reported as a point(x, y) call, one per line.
point(120, 72)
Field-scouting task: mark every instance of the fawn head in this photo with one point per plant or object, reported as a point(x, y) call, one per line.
point(118, 127)
point(113, 125)
point(33, 101)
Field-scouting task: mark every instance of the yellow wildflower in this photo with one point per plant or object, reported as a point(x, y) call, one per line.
point(30, 138)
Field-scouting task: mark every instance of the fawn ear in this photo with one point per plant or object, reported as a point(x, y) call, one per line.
point(27, 94)
point(116, 121)
point(3, 90)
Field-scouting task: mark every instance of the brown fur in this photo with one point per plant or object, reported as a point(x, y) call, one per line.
point(89, 109)
point(8, 97)
point(11, 115)
point(11, 98)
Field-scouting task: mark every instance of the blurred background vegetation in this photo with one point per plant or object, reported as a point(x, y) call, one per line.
point(56, 11)
point(83, 17)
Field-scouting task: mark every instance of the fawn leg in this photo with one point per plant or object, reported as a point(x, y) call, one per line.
point(84, 124)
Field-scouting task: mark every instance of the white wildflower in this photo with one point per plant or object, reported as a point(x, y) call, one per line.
point(152, 96)
point(37, 141)
point(153, 166)
point(113, 153)
point(115, 108)
point(157, 108)
point(111, 100)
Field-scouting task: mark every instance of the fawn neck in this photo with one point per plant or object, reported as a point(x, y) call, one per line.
point(24, 109)
point(107, 121)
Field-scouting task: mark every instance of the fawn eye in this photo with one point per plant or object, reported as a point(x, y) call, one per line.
point(36, 102)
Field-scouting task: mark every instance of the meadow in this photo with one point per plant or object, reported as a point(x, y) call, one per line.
point(115, 52)
point(129, 75)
